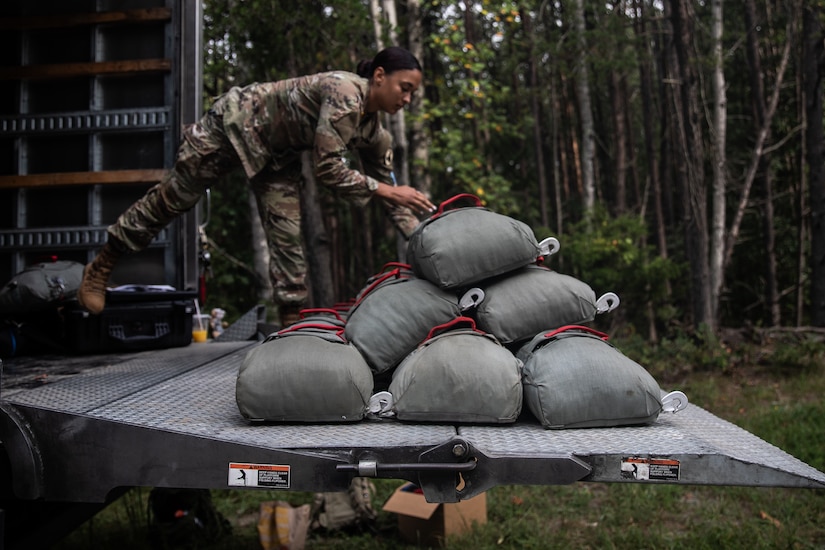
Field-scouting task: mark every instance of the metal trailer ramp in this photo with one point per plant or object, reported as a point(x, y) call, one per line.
point(169, 419)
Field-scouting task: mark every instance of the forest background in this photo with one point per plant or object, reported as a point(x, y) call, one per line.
point(674, 147)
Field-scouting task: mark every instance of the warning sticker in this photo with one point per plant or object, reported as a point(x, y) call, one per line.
point(270, 476)
point(654, 469)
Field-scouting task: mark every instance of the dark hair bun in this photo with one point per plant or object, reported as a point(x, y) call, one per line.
point(364, 68)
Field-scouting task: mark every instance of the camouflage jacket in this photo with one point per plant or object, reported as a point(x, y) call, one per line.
point(270, 123)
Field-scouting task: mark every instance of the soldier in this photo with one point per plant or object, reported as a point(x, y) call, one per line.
point(263, 128)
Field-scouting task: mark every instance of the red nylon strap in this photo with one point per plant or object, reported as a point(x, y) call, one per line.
point(566, 328)
point(297, 327)
point(389, 275)
point(310, 311)
point(449, 202)
point(399, 265)
point(452, 324)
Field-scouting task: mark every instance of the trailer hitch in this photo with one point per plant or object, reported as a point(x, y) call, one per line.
point(456, 470)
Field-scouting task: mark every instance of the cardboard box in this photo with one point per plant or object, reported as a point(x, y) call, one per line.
point(430, 523)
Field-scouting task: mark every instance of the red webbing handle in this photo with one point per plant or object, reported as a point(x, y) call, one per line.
point(565, 328)
point(367, 291)
point(436, 330)
point(450, 202)
point(297, 327)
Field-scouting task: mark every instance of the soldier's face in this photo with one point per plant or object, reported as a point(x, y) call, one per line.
point(394, 91)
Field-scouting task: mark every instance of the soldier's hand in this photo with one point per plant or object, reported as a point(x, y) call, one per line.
point(404, 195)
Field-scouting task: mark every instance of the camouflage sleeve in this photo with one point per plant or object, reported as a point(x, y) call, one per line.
point(402, 218)
point(377, 157)
point(378, 163)
point(336, 127)
point(239, 122)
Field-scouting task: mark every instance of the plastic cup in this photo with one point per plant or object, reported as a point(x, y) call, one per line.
point(200, 328)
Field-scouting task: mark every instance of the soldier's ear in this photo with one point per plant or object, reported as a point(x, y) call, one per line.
point(378, 76)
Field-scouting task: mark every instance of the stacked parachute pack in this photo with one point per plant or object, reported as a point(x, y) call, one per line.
point(472, 329)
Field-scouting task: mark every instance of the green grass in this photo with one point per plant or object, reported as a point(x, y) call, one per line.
point(774, 391)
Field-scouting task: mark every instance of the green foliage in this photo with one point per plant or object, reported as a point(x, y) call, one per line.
point(473, 130)
point(678, 354)
point(479, 60)
point(231, 284)
point(805, 355)
point(610, 254)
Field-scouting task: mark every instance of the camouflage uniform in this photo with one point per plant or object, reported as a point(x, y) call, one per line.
point(263, 128)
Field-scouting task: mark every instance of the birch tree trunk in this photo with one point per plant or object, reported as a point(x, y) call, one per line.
point(419, 146)
point(588, 149)
point(384, 18)
point(397, 124)
point(720, 105)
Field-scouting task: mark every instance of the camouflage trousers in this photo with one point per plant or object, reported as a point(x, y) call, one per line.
point(205, 157)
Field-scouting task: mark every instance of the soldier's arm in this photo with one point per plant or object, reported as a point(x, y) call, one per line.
point(336, 127)
point(401, 201)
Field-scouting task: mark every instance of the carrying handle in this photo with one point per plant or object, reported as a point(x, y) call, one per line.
point(549, 246)
point(436, 330)
point(607, 302)
point(450, 203)
point(395, 273)
point(310, 311)
point(298, 327)
point(471, 299)
point(566, 328)
point(399, 265)
point(674, 402)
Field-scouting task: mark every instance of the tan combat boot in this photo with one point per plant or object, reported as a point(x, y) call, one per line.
point(92, 292)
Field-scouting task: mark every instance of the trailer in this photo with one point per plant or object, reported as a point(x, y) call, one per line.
point(76, 432)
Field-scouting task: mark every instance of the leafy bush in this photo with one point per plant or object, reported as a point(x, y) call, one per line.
point(611, 255)
point(795, 357)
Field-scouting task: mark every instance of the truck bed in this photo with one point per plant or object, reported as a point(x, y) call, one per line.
point(79, 429)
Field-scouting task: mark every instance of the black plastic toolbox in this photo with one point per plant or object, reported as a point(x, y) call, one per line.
point(132, 321)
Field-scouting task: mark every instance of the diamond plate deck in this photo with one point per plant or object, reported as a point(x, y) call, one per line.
point(190, 393)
